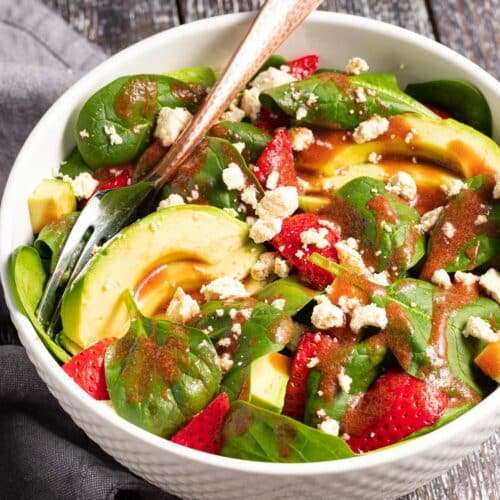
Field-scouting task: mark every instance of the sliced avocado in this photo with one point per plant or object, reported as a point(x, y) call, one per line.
point(448, 142)
point(209, 240)
point(268, 378)
point(50, 200)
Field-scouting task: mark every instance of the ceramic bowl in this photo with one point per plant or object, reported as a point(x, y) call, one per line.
point(182, 471)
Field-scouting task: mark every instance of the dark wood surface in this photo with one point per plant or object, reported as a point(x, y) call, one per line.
point(471, 27)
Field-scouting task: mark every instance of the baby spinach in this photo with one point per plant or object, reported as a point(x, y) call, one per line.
point(253, 433)
point(460, 99)
point(296, 294)
point(27, 278)
point(129, 104)
point(273, 61)
point(160, 374)
point(254, 138)
point(74, 165)
point(330, 100)
point(393, 243)
point(200, 75)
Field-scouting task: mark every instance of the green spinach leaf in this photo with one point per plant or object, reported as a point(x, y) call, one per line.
point(74, 165)
point(160, 374)
point(253, 433)
point(198, 75)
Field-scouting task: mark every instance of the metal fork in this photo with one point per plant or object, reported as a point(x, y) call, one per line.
point(109, 211)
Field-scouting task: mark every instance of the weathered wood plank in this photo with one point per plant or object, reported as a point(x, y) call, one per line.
point(116, 24)
point(471, 28)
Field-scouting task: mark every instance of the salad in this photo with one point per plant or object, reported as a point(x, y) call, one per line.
point(318, 280)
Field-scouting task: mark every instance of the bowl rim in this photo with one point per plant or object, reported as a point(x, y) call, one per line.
point(36, 349)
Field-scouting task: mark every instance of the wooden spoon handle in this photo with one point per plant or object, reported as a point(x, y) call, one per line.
point(275, 21)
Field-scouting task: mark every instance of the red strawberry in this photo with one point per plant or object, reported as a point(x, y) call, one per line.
point(303, 67)
point(395, 406)
point(120, 180)
point(290, 245)
point(440, 112)
point(87, 369)
point(277, 156)
point(273, 119)
point(204, 432)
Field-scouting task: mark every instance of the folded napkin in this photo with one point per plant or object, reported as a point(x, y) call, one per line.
point(43, 455)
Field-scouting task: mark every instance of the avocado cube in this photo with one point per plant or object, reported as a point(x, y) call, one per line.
point(489, 361)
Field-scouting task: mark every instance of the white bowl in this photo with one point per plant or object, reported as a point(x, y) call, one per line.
point(189, 473)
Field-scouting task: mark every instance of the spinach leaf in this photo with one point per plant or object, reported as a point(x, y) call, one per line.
point(160, 374)
point(254, 138)
point(329, 99)
point(253, 433)
point(27, 278)
point(74, 165)
point(296, 294)
point(198, 75)
point(129, 104)
point(52, 237)
point(273, 61)
point(396, 244)
point(460, 99)
point(462, 350)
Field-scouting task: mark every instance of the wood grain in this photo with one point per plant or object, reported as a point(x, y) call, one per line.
point(471, 28)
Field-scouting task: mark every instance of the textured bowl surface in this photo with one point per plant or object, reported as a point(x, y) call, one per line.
point(182, 471)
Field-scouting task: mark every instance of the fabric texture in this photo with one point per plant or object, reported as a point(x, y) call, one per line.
point(43, 455)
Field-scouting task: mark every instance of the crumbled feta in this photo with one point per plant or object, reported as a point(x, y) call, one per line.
point(467, 279)
point(370, 129)
point(480, 329)
point(113, 136)
point(84, 134)
point(403, 185)
point(225, 362)
point(326, 315)
point(224, 342)
point(329, 426)
point(281, 268)
point(250, 103)
point(249, 196)
point(496, 189)
point(301, 113)
point(239, 146)
point(279, 304)
point(453, 188)
point(429, 219)
point(356, 65)
point(233, 177)
point(348, 304)
point(173, 200)
point(381, 278)
point(182, 307)
point(449, 230)
point(231, 211)
point(350, 258)
point(360, 95)
point(481, 219)
point(265, 229)
point(280, 202)
point(312, 362)
point(370, 315)
point(271, 77)
point(344, 380)
point(441, 278)
point(272, 180)
point(302, 138)
point(313, 236)
point(264, 266)
point(374, 157)
point(490, 282)
point(233, 114)
point(170, 124)
point(224, 288)
point(83, 185)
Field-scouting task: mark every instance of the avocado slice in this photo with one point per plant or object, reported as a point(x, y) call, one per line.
point(447, 142)
point(204, 238)
point(268, 379)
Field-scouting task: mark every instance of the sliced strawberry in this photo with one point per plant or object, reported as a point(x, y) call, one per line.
point(440, 112)
point(303, 67)
point(396, 406)
point(273, 119)
point(204, 432)
point(289, 243)
point(277, 156)
point(87, 369)
point(296, 389)
point(115, 177)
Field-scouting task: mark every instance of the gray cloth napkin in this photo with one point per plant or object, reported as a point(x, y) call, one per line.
point(43, 455)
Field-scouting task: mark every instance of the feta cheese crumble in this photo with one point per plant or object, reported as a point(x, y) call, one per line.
point(355, 66)
point(272, 180)
point(490, 282)
point(182, 307)
point(449, 230)
point(233, 177)
point(441, 278)
point(344, 380)
point(467, 279)
point(453, 188)
point(279, 304)
point(370, 315)
point(370, 129)
point(84, 134)
point(265, 229)
point(233, 114)
point(496, 188)
point(83, 185)
point(281, 268)
point(403, 185)
point(224, 288)
point(113, 136)
point(170, 124)
point(264, 266)
point(249, 196)
point(349, 257)
point(173, 200)
point(302, 138)
point(429, 220)
point(329, 426)
point(313, 236)
point(326, 315)
point(280, 202)
point(480, 329)
point(250, 103)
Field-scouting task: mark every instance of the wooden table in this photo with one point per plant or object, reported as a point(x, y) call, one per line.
point(472, 27)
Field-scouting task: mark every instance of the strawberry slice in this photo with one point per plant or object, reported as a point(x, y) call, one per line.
point(277, 156)
point(396, 406)
point(291, 245)
point(303, 67)
point(113, 177)
point(440, 112)
point(296, 389)
point(87, 369)
point(273, 119)
point(204, 432)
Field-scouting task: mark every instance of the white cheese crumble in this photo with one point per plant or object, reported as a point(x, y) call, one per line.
point(453, 188)
point(348, 304)
point(83, 185)
point(481, 219)
point(182, 307)
point(344, 380)
point(249, 196)
point(224, 288)
point(403, 185)
point(280, 202)
point(250, 103)
point(279, 304)
point(480, 329)
point(360, 95)
point(173, 200)
point(356, 65)
point(370, 129)
point(233, 114)
point(490, 282)
point(84, 134)
point(301, 113)
point(441, 278)
point(496, 188)
point(349, 257)
point(264, 266)
point(271, 77)
point(329, 426)
point(233, 177)
point(265, 229)
point(281, 268)
point(429, 220)
point(312, 362)
point(374, 157)
point(272, 180)
point(370, 315)
point(467, 279)
point(113, 136)
point(239, 146)
point(326, 315)
point(170, 124)
point(225, 362)
point(449, 230)
point(313, 236)
point(302, 138)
